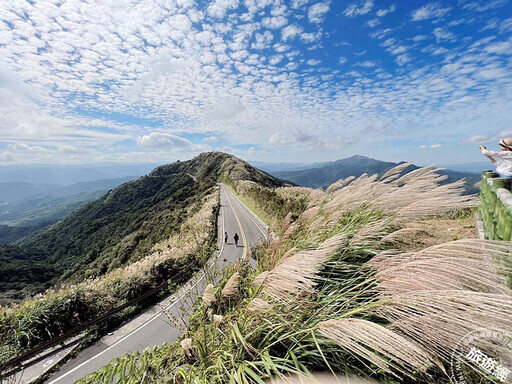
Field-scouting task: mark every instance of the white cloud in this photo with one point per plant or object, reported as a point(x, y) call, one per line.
point(402, 59)
point(226, 108)
point(263, 40)
point(21, 147)
point(419, 38)
point(361, 8)
point(157, 140)
point(485, 6)
point(383, 12)
point(372, 23)
point(162, 140)
point(430, 11)
point(423, 147)
point(442, 34)
point(184, 70)
point(501, 48)
point(210, 139)
point(436, 146)
point(381, 33)
point(218, 8)
point(310, 37)
point(275, 59)
point(297, 137)
point(296, 4)
point(313, 62)
point(506, 25)
point(274, 22)
point(317, 12)
point(367, 64)
point(290, 32)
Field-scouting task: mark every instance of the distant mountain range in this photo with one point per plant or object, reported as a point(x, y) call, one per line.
point(18, 191)
point(469, 167)
point(27, 207)
point(321, 175)
point(71, 174)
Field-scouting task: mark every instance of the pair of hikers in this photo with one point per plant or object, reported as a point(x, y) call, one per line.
point(501, 159)
point(236, 238)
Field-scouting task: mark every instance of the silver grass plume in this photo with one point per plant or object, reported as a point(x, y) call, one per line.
point(218, 319)
point(411, 196)
point(294, 276)
point(289, 252)
point(260, 279)
point(487, 250)
point(377, 344)
point(209, 295)
point(291, 230)
point(401, 235)
point(257, 305)
point(468, 264)
point(231, 287)
point(286, 222)
point(437, 320)
point(188, 348)
point(339, 184)
point(394, 172)
point(309, 213)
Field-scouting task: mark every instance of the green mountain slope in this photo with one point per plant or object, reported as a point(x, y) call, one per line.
point(123, 225)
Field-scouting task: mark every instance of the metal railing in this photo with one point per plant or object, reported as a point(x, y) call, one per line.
point(496, 208)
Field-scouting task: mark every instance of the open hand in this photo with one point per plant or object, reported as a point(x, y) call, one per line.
point(482, 147)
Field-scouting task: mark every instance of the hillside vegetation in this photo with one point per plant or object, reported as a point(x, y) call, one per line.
point(118, 228)
point(112, 250)
point(345, 288)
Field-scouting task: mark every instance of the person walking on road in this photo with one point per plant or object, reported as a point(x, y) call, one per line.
point(236, 239)
point(501, 159)
point(225, 237)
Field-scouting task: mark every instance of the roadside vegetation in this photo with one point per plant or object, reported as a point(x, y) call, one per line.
point(344, 289)
point(48, 315)
point(113, 250)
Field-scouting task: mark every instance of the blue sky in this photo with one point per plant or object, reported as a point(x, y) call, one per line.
point(277, 81)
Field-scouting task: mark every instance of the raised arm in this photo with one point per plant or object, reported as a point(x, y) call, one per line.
point(506, 155)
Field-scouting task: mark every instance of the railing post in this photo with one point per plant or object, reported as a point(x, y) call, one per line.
point(505, 217)
point(496, 208)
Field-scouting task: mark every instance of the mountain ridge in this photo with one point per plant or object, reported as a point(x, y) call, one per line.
point(122, 225)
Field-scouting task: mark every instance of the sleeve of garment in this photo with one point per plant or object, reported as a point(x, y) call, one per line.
point(500, 154)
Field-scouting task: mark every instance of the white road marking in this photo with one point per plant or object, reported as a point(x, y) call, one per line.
point(249, 214)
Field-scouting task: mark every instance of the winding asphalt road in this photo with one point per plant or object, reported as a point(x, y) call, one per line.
point(153, 327)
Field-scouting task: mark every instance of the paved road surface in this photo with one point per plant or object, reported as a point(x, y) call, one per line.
point(153, 327)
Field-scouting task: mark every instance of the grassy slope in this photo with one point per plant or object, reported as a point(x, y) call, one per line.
point(159, 224)
point(298, 333)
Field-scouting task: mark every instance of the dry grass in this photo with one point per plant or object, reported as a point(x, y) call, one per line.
point(231, 287)
point(411, 196)
point(257, 305)
point(294, 276)
point(209, 295)
point(439, 319)
point(321, 378)
point(377, 344)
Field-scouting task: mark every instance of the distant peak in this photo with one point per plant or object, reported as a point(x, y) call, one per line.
point(360, 157)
